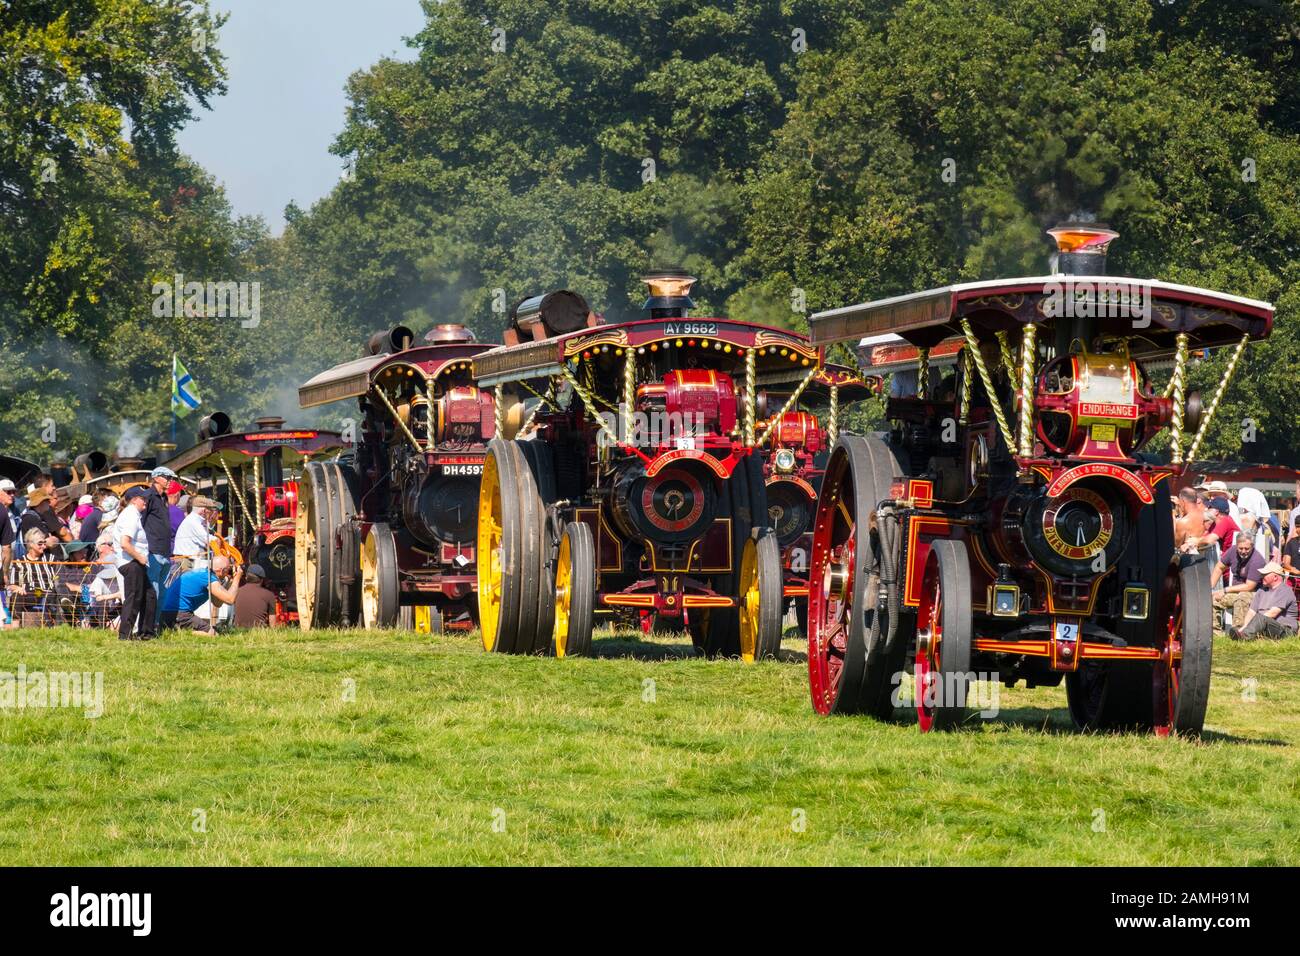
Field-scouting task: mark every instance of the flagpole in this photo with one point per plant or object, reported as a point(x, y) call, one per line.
point(173, 400)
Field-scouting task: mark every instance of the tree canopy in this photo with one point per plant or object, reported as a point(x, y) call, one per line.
point(793, 154)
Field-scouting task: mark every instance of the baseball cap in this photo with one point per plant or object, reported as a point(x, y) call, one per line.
point(134, 492)
point(161, 472)
point(7, 485)
point(175, 488)
point(1272, 568)
point(1220, 505)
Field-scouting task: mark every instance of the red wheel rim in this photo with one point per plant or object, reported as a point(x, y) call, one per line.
point(1167, 674)
point(925, 664)
point(830, 592)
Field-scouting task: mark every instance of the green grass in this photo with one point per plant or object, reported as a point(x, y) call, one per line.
point(442, 739)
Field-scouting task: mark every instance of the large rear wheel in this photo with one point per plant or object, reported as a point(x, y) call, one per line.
point(849, 668)
point(499, 548)
point(325, 557)
point(537, 493)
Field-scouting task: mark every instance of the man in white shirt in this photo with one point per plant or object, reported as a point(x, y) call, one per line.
point(194, 535)
point(131, 546)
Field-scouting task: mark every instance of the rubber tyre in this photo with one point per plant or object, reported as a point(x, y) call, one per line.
point(537, 483)
point(313, 559)
point(716, 631)
point(761, 586)
point(379, 584)
point(1181, 681)
point(575, 592)
point(499, 548)
point(945, 604)
point(846, 676)
point(341, 484)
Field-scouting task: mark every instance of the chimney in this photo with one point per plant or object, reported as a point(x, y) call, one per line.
point(269, 423)
point(1081, 248)
point(670, 294)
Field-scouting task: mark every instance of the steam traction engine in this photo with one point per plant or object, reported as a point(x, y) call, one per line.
point(795, 455)
point(634, 483)
point(1015, 521)
point(386, 534)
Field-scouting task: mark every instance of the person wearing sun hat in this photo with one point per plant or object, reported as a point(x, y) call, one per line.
point(1272, 612)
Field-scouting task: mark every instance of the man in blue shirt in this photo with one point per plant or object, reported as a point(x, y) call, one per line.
point(188, 594)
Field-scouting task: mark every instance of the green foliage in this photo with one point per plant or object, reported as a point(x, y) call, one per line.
point(531, 145)
point(92, 214)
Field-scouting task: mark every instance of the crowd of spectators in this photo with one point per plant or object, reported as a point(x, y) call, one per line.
point(137, 565)
point(1253, 556)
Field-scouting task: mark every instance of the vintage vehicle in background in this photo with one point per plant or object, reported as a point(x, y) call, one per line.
point(94, 470)
point(18, 470)
point(1277, 483)
point(385, 535)
point(635, 482)
point(255, 476)
point(794, 459)
point(1014, 522)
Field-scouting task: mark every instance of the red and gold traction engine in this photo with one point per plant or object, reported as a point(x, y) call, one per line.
point(1015, 524)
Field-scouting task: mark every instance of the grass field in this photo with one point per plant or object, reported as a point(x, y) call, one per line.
point(244, 750)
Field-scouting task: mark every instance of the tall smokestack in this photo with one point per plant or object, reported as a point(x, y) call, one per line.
point(670, 294)
point(1081, 248)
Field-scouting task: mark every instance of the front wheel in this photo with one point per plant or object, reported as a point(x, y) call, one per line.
point(1181, 679)
point(575, 591)
point(760, 598)
point(379, 587)
point(944, 629)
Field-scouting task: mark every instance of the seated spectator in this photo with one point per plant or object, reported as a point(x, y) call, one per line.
point(106, 588)
point(1247, 568)
point(201, 592)
point(84, 507)
point(1291, 555)
point(40, 514)
point(1272, 610)
point(73, 569)
point(255, 604)
point(33, 578)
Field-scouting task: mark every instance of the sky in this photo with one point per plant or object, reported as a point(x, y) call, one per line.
point(267, 140)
